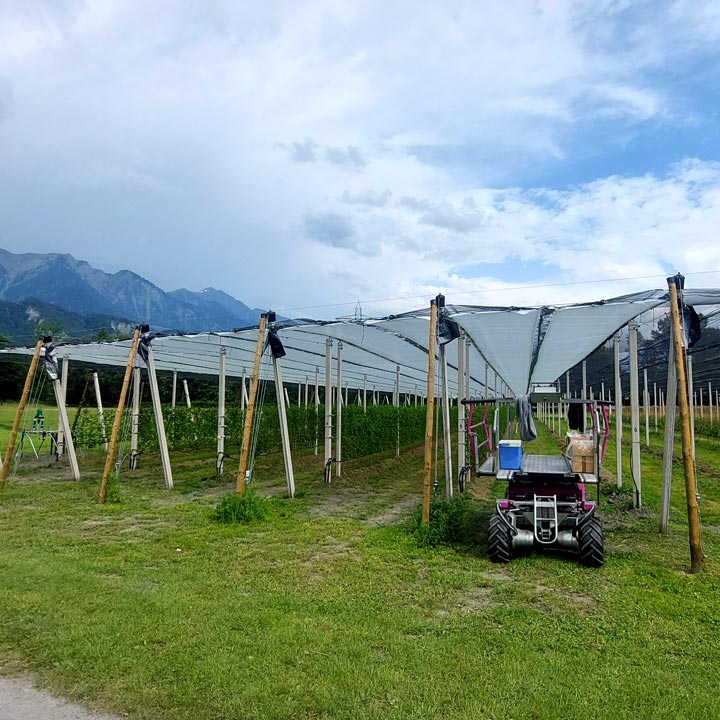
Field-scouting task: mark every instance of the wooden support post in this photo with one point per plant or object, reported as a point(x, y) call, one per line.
point(242, 477)
point(110, 457)
point(338, 412)
point(135, 421)
point(284, 433)
point(159, 421)
point(697, 560)
point(669, 444)
point(635, 416)
point(328, 402)
point(430, 415)
point(250, 413)
point(101, 415)
point(18, 415)
point(222, 368)
point(447, 441)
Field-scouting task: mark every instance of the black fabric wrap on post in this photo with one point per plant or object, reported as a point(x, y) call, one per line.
point(276, 346)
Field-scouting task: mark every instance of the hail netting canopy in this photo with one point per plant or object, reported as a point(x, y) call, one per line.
point(522, 345)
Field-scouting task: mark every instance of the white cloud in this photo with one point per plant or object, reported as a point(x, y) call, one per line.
point(310, 152)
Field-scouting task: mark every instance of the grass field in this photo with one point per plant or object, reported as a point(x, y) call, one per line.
point(330, 609)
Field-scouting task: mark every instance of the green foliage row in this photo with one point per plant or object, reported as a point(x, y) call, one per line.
point(452, 522)
point(380, 428)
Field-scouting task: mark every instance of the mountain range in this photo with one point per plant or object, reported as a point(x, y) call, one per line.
point(36, 286)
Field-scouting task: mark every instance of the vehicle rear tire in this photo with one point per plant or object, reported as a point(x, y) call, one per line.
point(591, 547)
point(499, 541)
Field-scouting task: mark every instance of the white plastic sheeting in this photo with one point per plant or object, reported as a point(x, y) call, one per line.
point(522, 345)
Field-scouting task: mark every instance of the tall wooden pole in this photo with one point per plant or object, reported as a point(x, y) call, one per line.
point(250, 412)
point(430, 415)
point(110, 457)
point(697, 560)
point(19, 413)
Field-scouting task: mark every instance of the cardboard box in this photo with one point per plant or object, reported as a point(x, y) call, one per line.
point(581, 453)
point(510, 454)
point(583, 464)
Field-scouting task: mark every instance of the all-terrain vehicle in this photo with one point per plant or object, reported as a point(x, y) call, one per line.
point(546, 503)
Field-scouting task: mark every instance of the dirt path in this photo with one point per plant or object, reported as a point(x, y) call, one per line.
point(19, 700)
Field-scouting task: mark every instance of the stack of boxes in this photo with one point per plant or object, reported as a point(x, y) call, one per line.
point(580, 452)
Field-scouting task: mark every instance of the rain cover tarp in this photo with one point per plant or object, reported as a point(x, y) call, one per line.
point(522, 345)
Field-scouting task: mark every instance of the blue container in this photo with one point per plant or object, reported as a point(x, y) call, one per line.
point(510, 454)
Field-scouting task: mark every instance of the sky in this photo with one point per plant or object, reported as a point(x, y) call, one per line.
point(307, 156)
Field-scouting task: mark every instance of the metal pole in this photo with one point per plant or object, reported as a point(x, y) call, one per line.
point(655, 405)
point(243, 392)
point(159, 422)
point(691, 399)
point(584, 393)
point(249, 415)
point(338, 411)
point(461, 396)
point(221, 411)
point(328, 400)
point(396, 403)
point(174, 389)
point(669, 440)
point(19, 413)
point(710, 400)
point(61, 430)
point(646, 408)
point(635, 416)
point(447, 443)
point(110, 457)
point(364, 404)
point(430, 415)
point(317, 405)
point(101, 415)
point(567, 395)
point(284, 433)
point(135, 420)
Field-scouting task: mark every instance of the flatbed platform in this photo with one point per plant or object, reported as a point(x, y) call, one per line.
point(548, 465)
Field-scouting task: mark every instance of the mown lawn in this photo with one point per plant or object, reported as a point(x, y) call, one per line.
point(329, 609)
